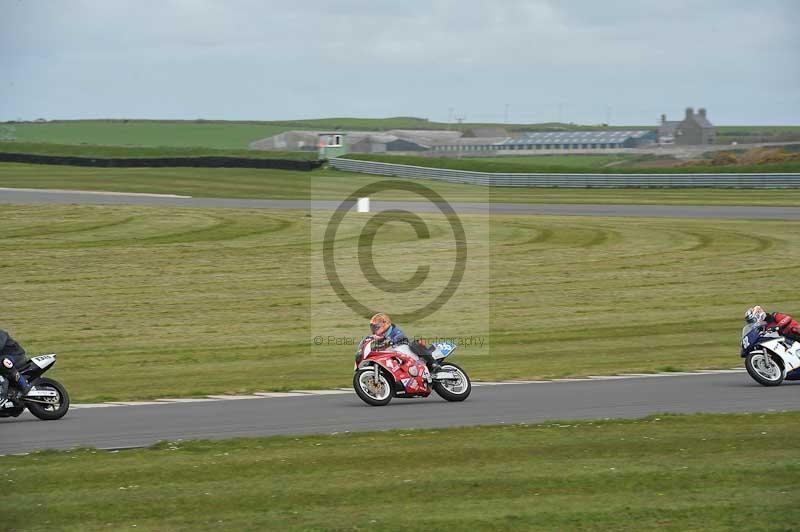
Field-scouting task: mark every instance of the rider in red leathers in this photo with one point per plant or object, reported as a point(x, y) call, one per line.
point(786, 325)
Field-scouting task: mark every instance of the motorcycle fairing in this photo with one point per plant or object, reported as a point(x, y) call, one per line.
point(754, 338)
point(37, 365)
point(411, 374)
point(443, 349)
point(789, 354)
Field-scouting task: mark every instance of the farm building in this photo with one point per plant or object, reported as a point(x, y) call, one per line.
point(477, 145)
point(693, 130)
point(381, 143)
point(556, 140)
point(396, 140)
point(580, 140)
point(288, 141)
point(486, 132)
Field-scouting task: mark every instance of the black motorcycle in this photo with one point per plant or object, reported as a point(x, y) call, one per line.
point(47, 399)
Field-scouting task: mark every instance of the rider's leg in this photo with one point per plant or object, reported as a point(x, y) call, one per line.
point(425, 353)
point(10, 369)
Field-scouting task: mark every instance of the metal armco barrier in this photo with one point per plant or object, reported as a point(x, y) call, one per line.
point(779, 180)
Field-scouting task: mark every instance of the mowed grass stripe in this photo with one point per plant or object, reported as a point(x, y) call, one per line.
point(147, 302)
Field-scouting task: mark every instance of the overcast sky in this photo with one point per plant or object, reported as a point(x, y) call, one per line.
point(582, 61)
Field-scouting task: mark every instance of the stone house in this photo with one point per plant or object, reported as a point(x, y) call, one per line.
point(693, 130)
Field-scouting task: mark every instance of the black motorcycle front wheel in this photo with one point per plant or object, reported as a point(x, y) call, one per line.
point(53, 409)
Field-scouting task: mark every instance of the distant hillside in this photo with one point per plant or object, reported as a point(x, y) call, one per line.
point(217, 133)
point(220, 134)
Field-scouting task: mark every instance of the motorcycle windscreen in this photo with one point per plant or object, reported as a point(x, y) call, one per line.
point(750, 335)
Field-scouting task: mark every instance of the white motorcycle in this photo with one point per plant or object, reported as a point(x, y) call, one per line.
point(769, 357)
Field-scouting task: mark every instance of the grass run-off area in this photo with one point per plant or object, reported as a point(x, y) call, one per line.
point(147, 302)
point(110, 152)
point(330, 184)
point(571, 164)
point(672, 473)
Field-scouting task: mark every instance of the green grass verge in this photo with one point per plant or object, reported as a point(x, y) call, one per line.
point(671, 473)
point(571, 164)
point(331, 184)
point(144, 302)
point(110, 152)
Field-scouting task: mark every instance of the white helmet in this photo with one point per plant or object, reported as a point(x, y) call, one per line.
point(755, 314)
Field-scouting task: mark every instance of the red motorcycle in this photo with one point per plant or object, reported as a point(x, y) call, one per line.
point(383, 373)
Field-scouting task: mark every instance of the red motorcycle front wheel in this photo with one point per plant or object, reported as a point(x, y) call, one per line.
point(374, 392)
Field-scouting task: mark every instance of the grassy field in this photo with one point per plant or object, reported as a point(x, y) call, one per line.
point(108, 152)
point(329, 184)
point(220, 135)
point(238, 134)
point(573, 164)
point(144, 302)
point(749, 134)
point(672, 473)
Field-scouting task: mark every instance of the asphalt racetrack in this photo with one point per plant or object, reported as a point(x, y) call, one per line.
point(111, 427)
point(32, 196)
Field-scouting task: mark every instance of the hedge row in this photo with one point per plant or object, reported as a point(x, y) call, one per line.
point(162, 162)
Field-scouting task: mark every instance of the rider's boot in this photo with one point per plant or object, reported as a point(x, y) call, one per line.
point(23, 385)
point(432, 363)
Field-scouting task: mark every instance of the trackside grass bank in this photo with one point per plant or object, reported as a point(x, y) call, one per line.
point(149, 302)
point(570, 164)
point(331, 184)
point(110, 152)
point(674, 473)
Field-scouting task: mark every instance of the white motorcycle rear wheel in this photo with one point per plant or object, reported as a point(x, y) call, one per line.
point(456, 389)
point(763, 369)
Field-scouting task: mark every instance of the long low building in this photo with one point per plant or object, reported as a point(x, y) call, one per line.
point(396, 140)
point(452, 142)
point(556, 140)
